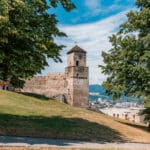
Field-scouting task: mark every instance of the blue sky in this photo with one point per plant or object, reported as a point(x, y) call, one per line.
point(92, 10)
point(89, 25)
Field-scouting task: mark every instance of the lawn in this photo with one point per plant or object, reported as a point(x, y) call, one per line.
point(35, 116)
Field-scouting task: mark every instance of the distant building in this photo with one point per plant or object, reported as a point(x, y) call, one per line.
point(131, 114)
point(128, 104)
point(5, 85)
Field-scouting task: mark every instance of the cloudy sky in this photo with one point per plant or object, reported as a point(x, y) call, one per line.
point(89, 26)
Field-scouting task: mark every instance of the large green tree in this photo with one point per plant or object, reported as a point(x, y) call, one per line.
point(127, 63)
point(27, 31)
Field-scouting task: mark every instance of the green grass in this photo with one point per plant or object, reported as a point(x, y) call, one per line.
point(57, 127)
point(22, 115)
point(26, 115)
point(19, 104)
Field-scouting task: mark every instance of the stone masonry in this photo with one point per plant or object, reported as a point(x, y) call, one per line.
point(70, 87)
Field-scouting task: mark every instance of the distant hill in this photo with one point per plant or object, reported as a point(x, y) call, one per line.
point(95, 88)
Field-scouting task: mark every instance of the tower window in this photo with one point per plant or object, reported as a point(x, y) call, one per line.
point(77, 63)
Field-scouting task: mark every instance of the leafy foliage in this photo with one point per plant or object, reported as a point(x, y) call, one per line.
point(127, 63)
point(27, 34)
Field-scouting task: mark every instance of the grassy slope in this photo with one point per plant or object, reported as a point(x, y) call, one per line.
point(27, 116)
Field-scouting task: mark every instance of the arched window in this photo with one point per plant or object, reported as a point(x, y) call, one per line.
point(77, 63)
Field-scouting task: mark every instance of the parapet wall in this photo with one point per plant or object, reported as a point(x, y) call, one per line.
point(51, 85)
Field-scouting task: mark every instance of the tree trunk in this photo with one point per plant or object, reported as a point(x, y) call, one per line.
point(149, 126)
point(5, 71)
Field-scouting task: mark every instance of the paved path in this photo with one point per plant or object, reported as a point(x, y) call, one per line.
point(43, 142)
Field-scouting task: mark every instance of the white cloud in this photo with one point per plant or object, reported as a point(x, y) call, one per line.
point(94, 7)
point(93, 37)
point(92, 4)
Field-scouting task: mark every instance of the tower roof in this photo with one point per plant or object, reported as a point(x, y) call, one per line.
point(76, 49)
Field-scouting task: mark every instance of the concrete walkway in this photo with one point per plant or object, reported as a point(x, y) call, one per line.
point(60, 143)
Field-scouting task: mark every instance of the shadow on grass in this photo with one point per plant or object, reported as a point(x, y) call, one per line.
point(144, 128)
point(56, 127)
point(38, 96)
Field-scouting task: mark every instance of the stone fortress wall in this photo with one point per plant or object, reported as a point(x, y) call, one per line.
point(51, 85)
point(70, 87)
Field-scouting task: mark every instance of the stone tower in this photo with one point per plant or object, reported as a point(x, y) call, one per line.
point(77, 78)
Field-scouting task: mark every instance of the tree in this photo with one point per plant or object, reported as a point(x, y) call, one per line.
point(127, 63)
point(27, 32)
